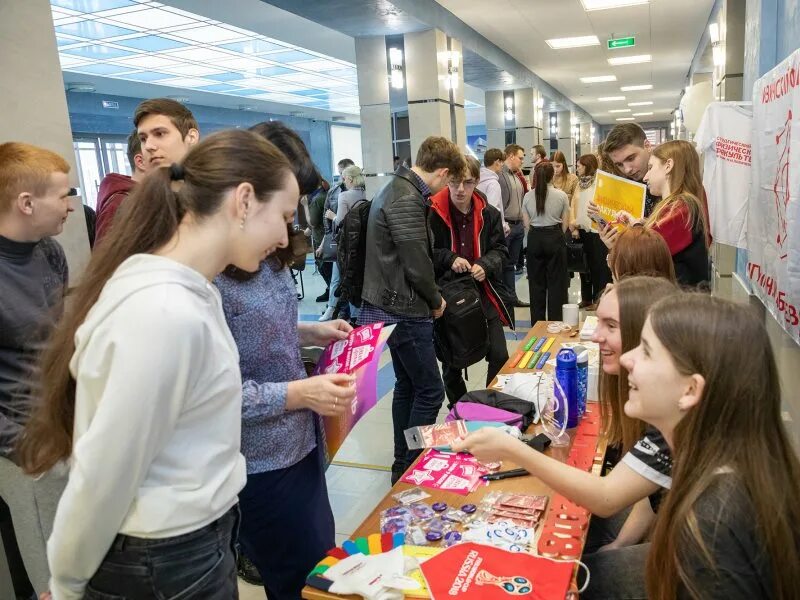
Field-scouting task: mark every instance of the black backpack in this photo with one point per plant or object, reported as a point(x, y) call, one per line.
point(461, 334)
point(503, 401)
point(352, 252)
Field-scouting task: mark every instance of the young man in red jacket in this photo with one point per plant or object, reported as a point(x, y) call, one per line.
point(115, 187)
point(468, 238)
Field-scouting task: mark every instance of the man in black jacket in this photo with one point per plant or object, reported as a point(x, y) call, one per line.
point(468, 238)
point(400, 287)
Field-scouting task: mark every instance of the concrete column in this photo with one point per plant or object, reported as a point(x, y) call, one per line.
point(376, 117)
point(525, 121)
point(585, 139)
point(729, 77)
point(435, 86)
point(34, 105)
point(495, 120)
point(566, 140)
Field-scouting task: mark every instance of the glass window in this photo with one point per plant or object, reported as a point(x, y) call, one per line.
point(90, 171)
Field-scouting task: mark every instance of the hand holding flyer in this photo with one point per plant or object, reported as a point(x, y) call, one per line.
point(358, 355)
point(618, 200)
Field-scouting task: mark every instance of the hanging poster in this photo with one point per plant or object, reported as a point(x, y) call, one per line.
point(773, 227)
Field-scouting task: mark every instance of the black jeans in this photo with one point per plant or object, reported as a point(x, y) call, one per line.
point(200, 565)
point(454, 386)
point(418, 391)
point(548, 281)
point(514, 242)
point(287, 524)
point(597, 256)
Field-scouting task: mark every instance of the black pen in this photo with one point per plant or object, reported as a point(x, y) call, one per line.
point(504, 475)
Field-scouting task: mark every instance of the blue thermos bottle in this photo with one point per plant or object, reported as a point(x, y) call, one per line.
point(567, 376)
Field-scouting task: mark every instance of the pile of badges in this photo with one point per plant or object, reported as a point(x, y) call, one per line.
point(423, 524)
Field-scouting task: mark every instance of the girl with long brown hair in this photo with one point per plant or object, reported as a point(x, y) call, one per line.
point(141, 388)
point(562, 179)
point(640, 473)
point(730, 526)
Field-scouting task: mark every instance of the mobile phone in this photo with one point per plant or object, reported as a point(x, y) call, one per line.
point(601, 222)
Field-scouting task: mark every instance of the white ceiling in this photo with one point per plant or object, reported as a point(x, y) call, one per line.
point(669, 30)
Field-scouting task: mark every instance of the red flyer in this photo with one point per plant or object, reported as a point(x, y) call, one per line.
point(480, 572)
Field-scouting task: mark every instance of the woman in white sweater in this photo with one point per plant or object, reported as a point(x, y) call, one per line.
point(141, 389)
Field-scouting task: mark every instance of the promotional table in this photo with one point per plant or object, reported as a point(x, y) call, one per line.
point(523, 485)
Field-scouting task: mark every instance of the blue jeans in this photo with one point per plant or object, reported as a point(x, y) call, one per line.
point(514, 241)
point(418, 391)
point(200, 565)
point(335, 278)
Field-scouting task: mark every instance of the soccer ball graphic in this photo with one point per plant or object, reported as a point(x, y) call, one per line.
point(514, 586)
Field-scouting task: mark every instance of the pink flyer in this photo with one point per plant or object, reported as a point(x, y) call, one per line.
point(359, 354)
point(447, 471)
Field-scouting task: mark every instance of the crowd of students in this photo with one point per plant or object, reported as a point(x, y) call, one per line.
point(164, 417)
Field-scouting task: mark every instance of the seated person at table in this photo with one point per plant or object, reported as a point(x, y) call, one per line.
point(468, 238)
point(730, 526)
point(640, 251)
point(615, 525)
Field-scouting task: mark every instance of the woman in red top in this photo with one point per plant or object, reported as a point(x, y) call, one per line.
point(681, 217)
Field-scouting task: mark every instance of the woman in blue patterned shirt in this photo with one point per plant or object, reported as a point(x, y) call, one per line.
point(287, 523)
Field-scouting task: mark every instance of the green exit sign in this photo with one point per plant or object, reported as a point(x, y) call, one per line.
point(625, 42)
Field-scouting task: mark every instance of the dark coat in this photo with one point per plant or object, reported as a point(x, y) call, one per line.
point(398, 270)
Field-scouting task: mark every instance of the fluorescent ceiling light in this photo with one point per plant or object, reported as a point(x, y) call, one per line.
point(626, 119)
point(610, 98)
point(599, 79)
point(642, 114)
point(573, 42)
point(648, 103)
point(606, 4)
point(629, 60)
point(620, 110)
point(636, 88)
point(719, 56)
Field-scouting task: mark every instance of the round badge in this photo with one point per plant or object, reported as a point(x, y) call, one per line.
point(433, 536)
point(452, 537)
point(440, 506)
point(469, 508)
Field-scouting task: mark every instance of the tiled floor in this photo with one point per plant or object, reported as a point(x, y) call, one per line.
point(359, 475)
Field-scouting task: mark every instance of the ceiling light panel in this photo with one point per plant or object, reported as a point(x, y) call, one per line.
point(589, 5)
point(647, 103)
point(610, 98)
point(599, 79)
point(636, 88)
point(149, 42)
point(617, 61)
point(642, 114)
point(573, 42)
point(626, 119)
point(620, 110)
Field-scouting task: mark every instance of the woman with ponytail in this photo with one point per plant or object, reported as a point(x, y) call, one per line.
point(545, 214)
point(141, 389)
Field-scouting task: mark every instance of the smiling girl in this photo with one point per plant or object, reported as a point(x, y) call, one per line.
point(730, 526)
point(141, 388)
